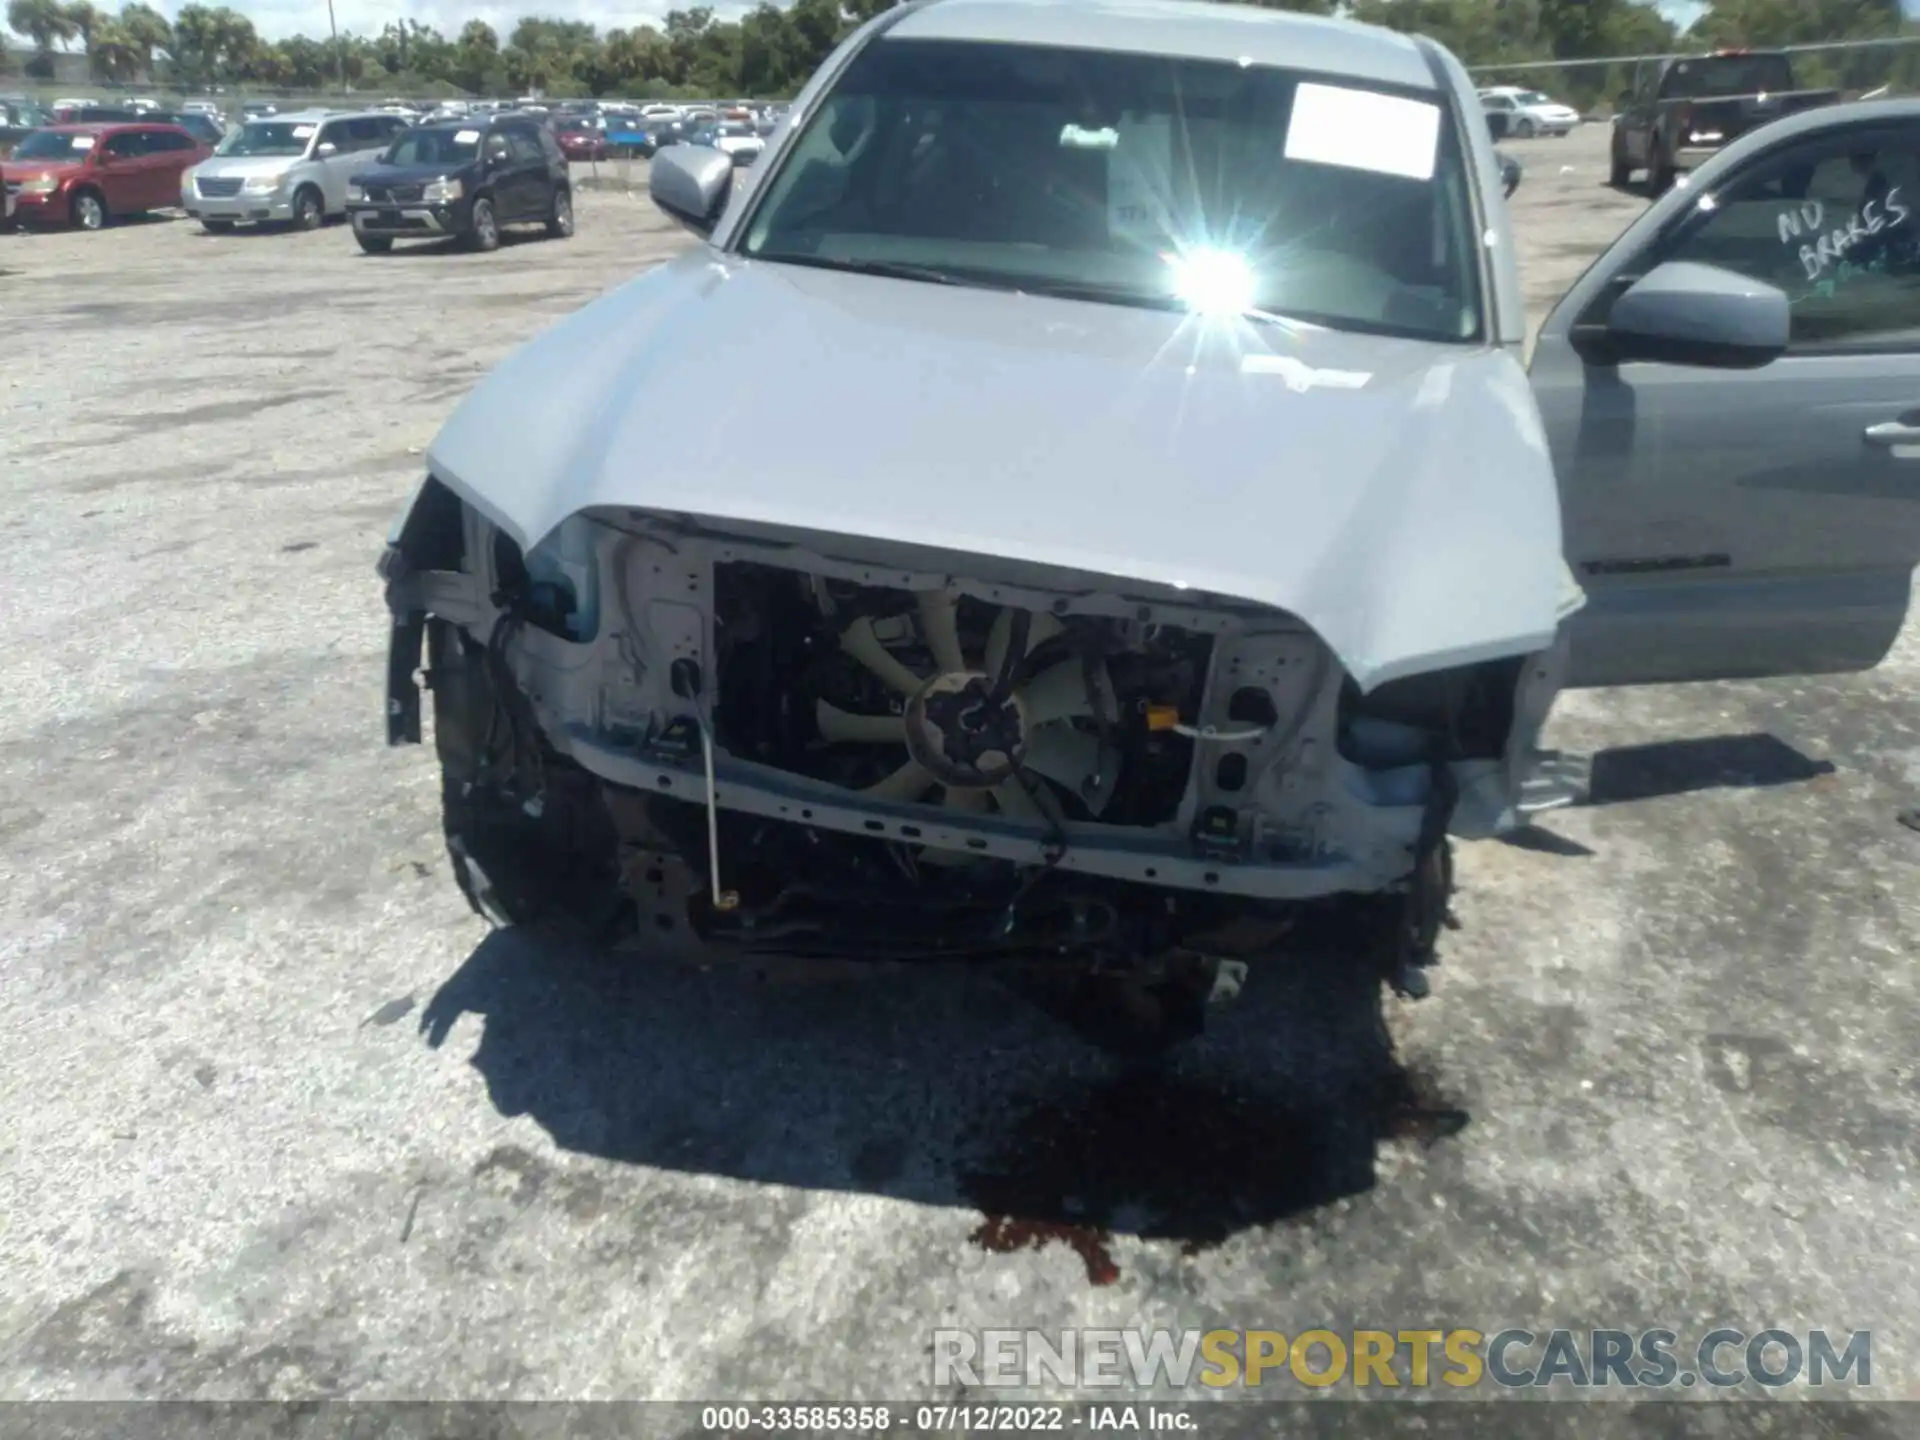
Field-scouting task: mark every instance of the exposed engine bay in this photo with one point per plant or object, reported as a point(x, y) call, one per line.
point(936, 697)
point(781, 744)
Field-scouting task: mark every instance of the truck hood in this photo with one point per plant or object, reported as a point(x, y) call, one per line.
point(1395, 495)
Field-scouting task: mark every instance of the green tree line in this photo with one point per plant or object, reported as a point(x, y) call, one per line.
point(770, 51)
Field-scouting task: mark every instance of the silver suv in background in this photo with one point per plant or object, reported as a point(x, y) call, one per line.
point(289, 168)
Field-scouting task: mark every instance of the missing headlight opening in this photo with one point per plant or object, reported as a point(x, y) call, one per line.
point(788, 748)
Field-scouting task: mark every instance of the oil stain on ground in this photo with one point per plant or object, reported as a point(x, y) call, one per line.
point(1181, 1158)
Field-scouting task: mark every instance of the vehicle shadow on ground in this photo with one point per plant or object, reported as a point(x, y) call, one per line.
point(1641, 188)
point(456, 245)
point(266, 229)
point(1713, 762)
point(1677, 767)
point(945, 1089)
point(118, 222)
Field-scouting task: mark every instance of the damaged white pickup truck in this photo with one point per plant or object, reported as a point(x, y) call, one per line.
point(1141, 523)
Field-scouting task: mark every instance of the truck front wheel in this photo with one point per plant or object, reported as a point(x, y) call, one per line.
point(1659, 172)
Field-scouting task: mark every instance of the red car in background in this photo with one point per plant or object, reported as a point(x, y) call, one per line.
point(88, 175)
point(580, 140)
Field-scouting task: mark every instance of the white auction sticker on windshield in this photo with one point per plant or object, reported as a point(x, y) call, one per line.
point(1364, 130)
point(466, 137)
point(303, 132)
point(82, 142)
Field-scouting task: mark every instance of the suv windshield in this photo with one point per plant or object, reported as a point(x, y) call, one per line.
point(53, 145)
point(434, 147)
point(268, 137)
point(1727, 75)
point(1138, 180)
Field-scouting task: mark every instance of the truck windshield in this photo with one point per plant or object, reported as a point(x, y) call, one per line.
point(1136, 180)
point(1712, 75)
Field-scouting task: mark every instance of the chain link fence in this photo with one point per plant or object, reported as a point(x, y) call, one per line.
point(1859, 69)
point(169, 97)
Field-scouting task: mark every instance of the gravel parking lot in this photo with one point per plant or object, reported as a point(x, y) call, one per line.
point(284, 1120)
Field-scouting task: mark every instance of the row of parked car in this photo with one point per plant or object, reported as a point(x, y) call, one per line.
point(609, 131)
point(390, 179)
point(20, 117)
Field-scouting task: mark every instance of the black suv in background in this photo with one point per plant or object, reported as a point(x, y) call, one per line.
point(204, 128)
point(466, 178)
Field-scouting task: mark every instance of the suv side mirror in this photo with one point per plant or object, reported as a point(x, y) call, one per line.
point(692, 184)
point(326, 148)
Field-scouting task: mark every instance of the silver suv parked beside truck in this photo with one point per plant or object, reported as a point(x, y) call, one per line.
point(287, 168)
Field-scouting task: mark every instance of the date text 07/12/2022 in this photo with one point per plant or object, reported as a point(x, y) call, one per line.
point(932, 1419)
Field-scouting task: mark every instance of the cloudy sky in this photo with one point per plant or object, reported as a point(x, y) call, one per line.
point(279, 18)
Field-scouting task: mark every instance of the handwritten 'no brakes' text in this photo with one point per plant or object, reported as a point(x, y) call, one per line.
point(1831, 243)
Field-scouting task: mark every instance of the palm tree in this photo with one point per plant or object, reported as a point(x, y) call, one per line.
point(147, 30)
point(114, 53)
point(45, 22)
point(85, 20)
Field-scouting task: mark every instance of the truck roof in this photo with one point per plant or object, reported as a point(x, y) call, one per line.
point(1183, 29)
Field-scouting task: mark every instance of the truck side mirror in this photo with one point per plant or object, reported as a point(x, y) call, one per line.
point(1684, 313)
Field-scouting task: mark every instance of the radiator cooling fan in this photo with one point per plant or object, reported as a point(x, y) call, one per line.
point(981, 753)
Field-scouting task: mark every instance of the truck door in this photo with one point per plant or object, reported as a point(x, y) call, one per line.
point(1736, 516)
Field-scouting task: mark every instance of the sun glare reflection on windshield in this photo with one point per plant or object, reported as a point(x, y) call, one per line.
point(1213, 282)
